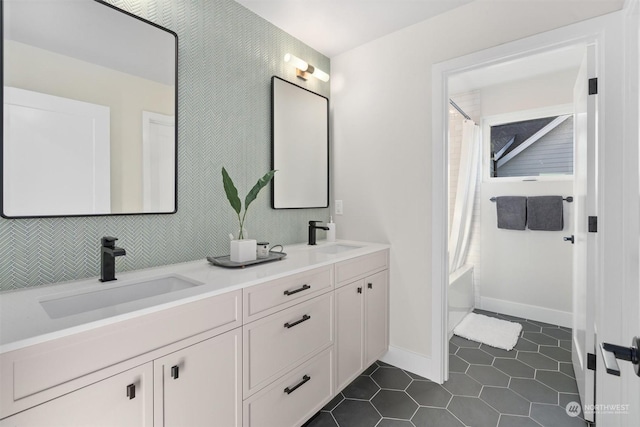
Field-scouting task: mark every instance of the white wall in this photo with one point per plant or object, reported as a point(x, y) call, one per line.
point(526, 268)
point(381, 106)
point(526, 273)
point(537, 92)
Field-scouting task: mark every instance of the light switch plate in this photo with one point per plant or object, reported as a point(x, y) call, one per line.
point(339, 207)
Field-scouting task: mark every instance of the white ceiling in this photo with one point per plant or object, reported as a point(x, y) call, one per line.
point(335, 26)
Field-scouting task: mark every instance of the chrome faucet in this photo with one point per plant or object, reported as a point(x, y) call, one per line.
point(108, 253)
point(312, 231)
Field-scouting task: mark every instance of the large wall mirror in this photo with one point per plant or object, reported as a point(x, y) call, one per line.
point(89, 111)
point(300, 145)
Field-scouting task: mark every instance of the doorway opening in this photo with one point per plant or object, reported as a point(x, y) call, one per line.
point(518, 128)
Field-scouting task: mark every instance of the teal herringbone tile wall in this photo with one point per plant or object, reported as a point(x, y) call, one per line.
point(227, 56)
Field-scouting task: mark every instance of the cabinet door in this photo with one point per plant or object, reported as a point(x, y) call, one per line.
point(201, 385)
point(123, 400)
point(377, 315)
point(349, 332)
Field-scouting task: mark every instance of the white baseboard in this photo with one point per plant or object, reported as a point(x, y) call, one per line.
point(533, 312)
point(409, 361)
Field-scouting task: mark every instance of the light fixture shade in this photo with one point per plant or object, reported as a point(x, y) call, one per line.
point(296, 62)
point(320, 75)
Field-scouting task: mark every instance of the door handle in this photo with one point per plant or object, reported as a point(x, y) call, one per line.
point(611, 352)
point(175, 372)
point(569, 239)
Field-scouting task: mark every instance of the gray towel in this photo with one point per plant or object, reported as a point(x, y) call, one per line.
point(512, 212)
point(545, 213)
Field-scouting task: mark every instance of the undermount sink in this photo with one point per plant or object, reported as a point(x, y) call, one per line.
point(108, 297)
point(336, 249)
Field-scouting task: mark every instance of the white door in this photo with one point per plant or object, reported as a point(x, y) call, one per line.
point(631, 382)
point(376, 321)
point(123, 400)
point(349, 332)
point(618, 382)
point(158, 162)
point(61, 166)
point(201, 385)
point(585, 196)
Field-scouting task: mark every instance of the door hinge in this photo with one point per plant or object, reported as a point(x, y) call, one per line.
point(593, 224)
point(593, 86)
point(591, 361)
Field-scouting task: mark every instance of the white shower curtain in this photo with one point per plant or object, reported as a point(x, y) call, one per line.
point(465, 195)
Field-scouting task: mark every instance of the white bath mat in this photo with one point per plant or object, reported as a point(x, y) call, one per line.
point(489, 330)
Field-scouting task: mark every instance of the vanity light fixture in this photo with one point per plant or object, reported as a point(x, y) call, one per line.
point(304, 69)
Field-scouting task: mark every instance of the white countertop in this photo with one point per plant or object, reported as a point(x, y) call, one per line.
point(24, 322)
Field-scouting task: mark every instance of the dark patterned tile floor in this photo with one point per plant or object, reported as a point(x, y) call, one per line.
point(528, 386)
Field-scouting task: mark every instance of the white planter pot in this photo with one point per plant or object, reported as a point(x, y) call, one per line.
point(243, 250)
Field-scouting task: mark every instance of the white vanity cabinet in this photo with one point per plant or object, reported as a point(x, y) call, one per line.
point(200, 385)
point(123, 400)
point(73, 377)
point(270, 352)
point(288, 348)
point(196, 386)
point(362, 300)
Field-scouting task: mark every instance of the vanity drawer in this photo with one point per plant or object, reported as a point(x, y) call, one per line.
point(41, 372)
point(274, 407)
point(277, 343)
point(269, 297)
point(357, 268)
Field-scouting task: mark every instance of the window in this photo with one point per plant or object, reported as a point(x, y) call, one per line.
point(534, 147)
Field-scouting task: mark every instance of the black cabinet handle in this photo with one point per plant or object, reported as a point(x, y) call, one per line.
point(291, 325)
point(175, 372)
point(290, 390)
point(295, 291)
point(359, 289)
point(131, 391)
point(370, 285)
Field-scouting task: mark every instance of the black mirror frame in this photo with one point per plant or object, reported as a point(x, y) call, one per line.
point(273, 141)
point(102, 2)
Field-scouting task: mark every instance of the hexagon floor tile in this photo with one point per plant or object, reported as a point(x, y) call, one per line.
point(528, 386)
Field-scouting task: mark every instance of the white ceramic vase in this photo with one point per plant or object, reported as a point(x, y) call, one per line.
point(243, 250)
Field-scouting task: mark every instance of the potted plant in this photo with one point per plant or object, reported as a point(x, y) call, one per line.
point(243, 249)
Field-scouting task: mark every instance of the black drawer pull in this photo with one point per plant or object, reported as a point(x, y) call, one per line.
point(175, 372)
point(370, 285)
point(295, 387)
point(295, 291)
point(131, 391)
point(291, 325)
point(359, 289)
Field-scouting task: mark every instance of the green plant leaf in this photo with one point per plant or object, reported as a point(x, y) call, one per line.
point(232, 192)
point(262, 182)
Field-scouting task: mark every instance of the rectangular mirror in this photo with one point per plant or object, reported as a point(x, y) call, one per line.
point(89, 111)
point(300, 146)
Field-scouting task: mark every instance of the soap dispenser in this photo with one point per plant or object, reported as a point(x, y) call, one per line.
point(331, 232)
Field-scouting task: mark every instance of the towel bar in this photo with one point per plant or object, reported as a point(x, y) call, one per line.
point(567, 199)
